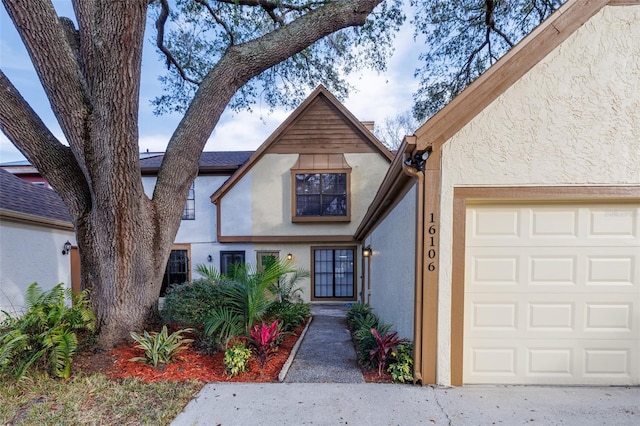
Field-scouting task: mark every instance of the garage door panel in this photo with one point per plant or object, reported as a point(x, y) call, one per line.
point(616, 222)
point(556, 315)
point(557, 269)
point(551, 362)
point(552, 294)
point(584, 225)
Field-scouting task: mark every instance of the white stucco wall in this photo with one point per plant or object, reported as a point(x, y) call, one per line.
point(574, 119)
point(236, 207)
point(28, 254)
point(200, 233)
point(271, 195)
point(393, 266)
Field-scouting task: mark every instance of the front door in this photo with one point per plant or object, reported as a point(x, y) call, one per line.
point(333, 273)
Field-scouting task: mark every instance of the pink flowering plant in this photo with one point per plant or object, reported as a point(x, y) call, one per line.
point(264, 340)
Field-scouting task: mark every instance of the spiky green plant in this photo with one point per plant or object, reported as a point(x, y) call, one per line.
point(160, 348)
point(46, 333)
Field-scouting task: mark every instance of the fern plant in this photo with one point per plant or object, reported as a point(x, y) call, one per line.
point(45, 334)
point(160, 348)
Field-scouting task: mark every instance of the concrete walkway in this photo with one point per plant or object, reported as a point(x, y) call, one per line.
point(326, 354)
point(324, 387)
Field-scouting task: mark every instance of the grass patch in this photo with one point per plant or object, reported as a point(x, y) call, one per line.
point(92, 400)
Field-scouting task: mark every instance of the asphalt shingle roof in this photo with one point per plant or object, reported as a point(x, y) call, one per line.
point(209, 159)
point(20, 196)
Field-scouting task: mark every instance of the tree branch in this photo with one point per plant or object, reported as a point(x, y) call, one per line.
point(170, 59)
point(239, 64)
point(55, 63)
point(219, 21)
point(26, 131)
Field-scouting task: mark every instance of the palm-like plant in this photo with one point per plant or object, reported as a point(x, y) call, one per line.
point(246, 302)
point(210, 273)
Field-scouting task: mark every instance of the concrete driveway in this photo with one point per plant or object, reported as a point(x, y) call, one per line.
point(384, 404)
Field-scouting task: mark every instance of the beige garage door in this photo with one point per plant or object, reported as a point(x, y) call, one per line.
point(552, 294)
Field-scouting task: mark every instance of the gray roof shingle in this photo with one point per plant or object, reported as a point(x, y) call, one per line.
point(209, 160)
point(20, 196)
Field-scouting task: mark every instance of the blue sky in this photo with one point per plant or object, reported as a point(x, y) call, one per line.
point(376, 97)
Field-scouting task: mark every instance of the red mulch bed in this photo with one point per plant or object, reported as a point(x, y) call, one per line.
point(188, 365)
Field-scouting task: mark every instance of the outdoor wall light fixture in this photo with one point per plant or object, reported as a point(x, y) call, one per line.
point(289, 256)
point(418, 161)
point(209, 258)
point(366, 252)
point(66, 247)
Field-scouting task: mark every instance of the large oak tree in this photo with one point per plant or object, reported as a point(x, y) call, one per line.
point(90, 69)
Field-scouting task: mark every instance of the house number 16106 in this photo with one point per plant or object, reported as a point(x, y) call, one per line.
point(432, 253)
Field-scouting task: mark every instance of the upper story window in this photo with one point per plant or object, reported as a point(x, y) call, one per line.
point(321, 190)
point(189, 212)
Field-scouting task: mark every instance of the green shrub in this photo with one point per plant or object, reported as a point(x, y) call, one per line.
point(236, 359)
point(401, 363)
point(247, 301)
point(190, 303)
point(366, 323)
point(290, 315)
point(386, 344)
point(287, 288)
point(45, 335)
point(356, 312)
point(160, 348)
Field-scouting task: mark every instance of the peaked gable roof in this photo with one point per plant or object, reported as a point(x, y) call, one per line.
point(19, 198)
point(321, 124)
point(510, 68)
point(482, 92)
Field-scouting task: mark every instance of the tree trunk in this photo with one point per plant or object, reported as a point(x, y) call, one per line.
point(124, 271)
point(92, 79)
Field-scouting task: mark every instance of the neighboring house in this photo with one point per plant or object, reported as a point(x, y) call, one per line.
point(515, 256)
point(34, 228)
point(196, 241)
point(302, 195)
point(27, 172)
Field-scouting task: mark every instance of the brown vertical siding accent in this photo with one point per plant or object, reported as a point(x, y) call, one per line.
point(463, 195)
point(457, 287)
point(431, 265)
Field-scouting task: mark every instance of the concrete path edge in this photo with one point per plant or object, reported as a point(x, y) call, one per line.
point(294, 351)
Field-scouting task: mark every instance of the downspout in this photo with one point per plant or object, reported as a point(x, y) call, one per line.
point(409, 169)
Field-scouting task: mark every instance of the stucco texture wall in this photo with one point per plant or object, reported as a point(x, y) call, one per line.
point(574, 119)
point(393, 266)
point(29, 254)
point(271, 195)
